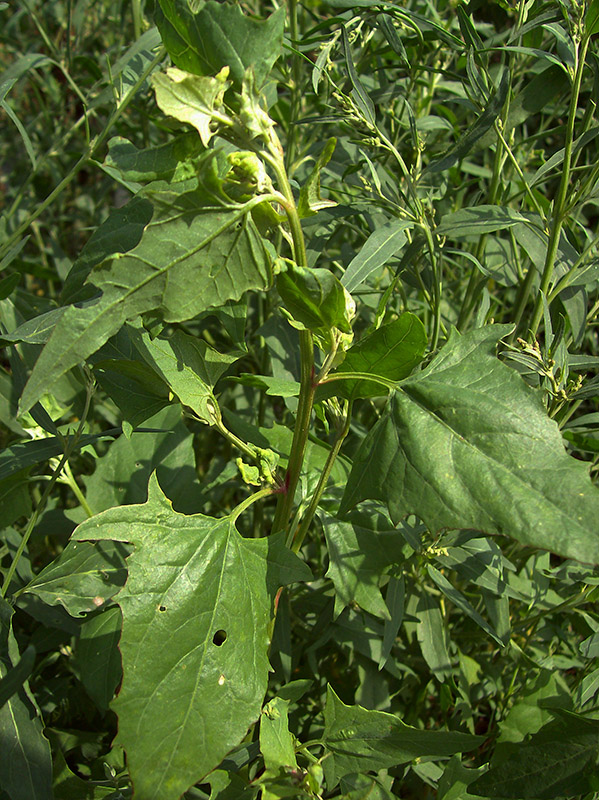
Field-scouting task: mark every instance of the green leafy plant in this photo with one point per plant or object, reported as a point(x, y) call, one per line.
point(300, 440)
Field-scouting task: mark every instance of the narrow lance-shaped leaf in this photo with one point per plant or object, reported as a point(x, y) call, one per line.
point(196, 613)
point(380, 246)
point(192, 255)
point(467, 444)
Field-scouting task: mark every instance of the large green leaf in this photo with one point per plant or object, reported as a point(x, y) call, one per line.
point(361, 740)
point(467, 444)
point(26, 764)
point(220, 35)
point(196, 612)
point(122, 474)
point(192, 255)
point(558, 761)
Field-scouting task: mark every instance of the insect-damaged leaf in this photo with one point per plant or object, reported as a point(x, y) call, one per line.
point(196, 612)
point(467, 444)
point(189, 254)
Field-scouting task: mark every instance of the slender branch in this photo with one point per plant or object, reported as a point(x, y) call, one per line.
point(560, 202)
point(70, 445)
point(302, 530)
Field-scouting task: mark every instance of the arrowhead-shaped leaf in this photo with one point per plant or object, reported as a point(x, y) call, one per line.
point(220, 35)
point(362, 740)
point(467, 444)
point(196, 611)
point(192, 255)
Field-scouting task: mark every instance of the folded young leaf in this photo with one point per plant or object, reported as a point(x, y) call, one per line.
point(196, 613)
point(467, 444)
point(190, 98)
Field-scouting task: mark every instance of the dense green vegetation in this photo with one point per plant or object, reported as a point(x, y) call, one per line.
point(299, 402)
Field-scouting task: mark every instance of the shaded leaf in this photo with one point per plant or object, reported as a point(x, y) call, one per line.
point(151, 163)
point(26, 764)
point(560, 760)
point(467, 444)
point(360, 551)
point(196, 612)
point(362, 740)
point(220, 35)
point(477, 130)
point(82, 578)
point(97, 656)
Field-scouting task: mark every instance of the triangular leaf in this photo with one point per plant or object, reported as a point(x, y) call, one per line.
point(196, 612)
point(391, 351)
point(188, 258)
point(467, 444)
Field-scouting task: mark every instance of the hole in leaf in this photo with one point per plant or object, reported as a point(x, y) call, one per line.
point(161, 608)
point(219, 638)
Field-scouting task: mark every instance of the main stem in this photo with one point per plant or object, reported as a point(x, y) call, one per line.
point(307, 382)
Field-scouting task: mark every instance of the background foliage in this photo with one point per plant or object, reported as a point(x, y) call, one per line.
point(360, 569)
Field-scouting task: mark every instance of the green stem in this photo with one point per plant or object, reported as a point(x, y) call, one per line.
point(300, 433)
point(69, 447)
point(359, 376)
point(302, 530)
point(69, 479)
point(253, 498)
point(295, 96)
point(559, 204)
